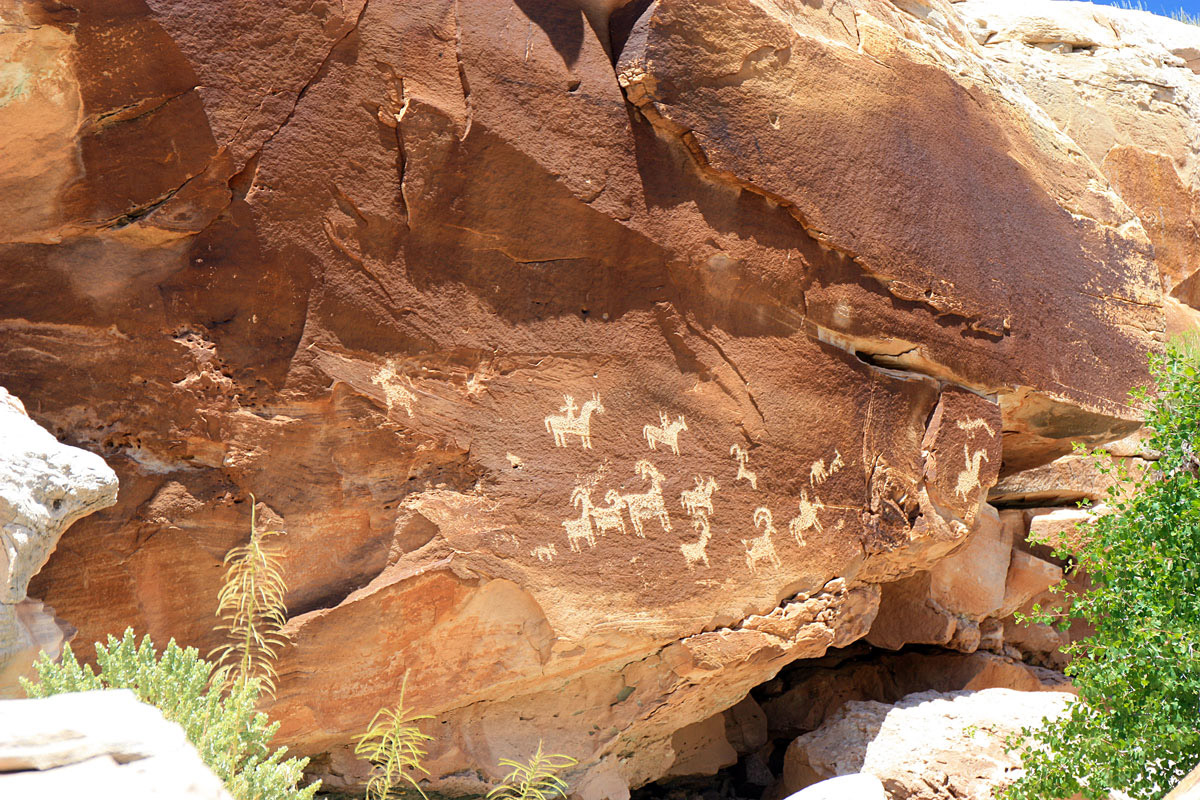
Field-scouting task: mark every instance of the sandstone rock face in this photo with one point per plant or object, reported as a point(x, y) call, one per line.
point(598, 359)
point(102, 744)
point(928, 746)
point(44, 487)
point(1123, 84)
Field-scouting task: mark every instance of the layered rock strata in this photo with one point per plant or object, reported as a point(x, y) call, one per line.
point(599, 359)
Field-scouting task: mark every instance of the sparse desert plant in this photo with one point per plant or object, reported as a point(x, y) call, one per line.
point(232, 737)
point(252, 610)
point(536, 780)
point(394, 746)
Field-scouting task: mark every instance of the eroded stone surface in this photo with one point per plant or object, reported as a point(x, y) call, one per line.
point(589, 396)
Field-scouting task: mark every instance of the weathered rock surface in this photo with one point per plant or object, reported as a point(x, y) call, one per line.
point(814, 693)
point(45, 486)
point(928, 746)
point(597, 368)
point(859, 787)
point(102, 744)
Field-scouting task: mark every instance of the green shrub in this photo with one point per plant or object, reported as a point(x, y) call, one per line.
point(232, 737)
point(536, 780)
point(394, 746)
point(1136, 726)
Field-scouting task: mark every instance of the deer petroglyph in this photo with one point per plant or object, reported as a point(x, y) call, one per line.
point(581, 528)
point(739, 452)
point(761, 548)
point(818, 474)
point(648, 505)
point(612, 516)
point(697, 552)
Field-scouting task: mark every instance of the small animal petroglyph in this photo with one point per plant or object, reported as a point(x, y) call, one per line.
point(700, 498)
point(395, 393)
point(818, 474)
point(968, 479)
point(975, 424)
point(569, 424)
point(580, 528)
point(667, 432)
point(697, 552)
point(545, 552)
point(650, 504)
point(611, 516)
point(739, 452)
point(808, 518)
point(761, 548)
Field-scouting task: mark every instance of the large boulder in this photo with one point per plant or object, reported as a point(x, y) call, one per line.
point(45, 486)
point(102, 744)
point(928, 746)
point(597, 367)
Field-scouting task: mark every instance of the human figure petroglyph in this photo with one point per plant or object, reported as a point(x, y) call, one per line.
point(808, 518)
point(968, 479)
point(545, 552)
point(818, 474)
point(395, 393)
point(569, 424)
point(700, 498)
point(611, 516)
point(975, 424)
point(697, 552)
point(761, 548)
point(580, 528)
point(739, 452)
point(667, 432)
point(650, 504)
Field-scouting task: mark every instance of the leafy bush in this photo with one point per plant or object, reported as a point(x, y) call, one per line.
point(1136, 726)
point(536, 780)
point(232, 737)
point(250, 605)
point(394, 746)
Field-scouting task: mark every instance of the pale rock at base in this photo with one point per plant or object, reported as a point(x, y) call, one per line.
point(44, 487)
point(104, 745)
point(928, 746)
point(846, 787)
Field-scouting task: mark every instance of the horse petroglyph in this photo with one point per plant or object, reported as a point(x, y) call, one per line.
point(611, 516)
point(808, 518)
point(395, 393)
point(739, 452)
point(700, 498)
point(667, 432)
point(545, 552)
point(818, 474)
point(968, 479)
point(761, 548)
point(697, 552)
point(580, 528)
point(569, 424)
point(650, 504)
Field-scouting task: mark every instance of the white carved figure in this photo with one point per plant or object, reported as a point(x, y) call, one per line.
point(739, 452)
point(700, 498)
point(975, 424)
point(808, 518)
point(968, 479)
point(395, 393)
point(650, 504)
point(569, 424)
point(545, 552)
point(667, 432)
point(580, 528)
point(761, 548)
point(697, 552)
point(610, 516)
point(818, 474)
